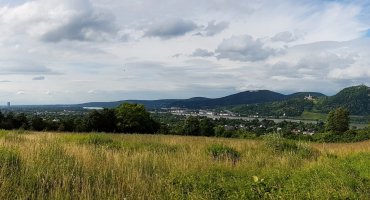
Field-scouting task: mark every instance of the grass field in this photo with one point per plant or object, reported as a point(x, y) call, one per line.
point(99, 166)
point(313, 116)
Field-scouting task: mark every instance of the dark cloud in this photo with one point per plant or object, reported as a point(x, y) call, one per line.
point(286, 36)
point(25, 68)
point(202, 53)
point(178, 55)
point(243, 48)
point(84, 27)
point(170, 28)
point(214, 28)
point(38, 78)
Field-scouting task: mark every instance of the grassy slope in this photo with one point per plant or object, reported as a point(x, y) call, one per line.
point(313, 116)
point(77, 166)
point(358, 121)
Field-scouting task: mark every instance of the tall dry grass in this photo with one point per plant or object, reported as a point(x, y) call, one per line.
point(106, 166)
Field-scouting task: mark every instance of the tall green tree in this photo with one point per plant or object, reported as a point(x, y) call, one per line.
point(103, 120)
point(133, 118)
point(37, 123)
point(206, 126)
point(338, 120)
point(191, 126)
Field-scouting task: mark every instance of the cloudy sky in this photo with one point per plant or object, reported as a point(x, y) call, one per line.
point(72, 51)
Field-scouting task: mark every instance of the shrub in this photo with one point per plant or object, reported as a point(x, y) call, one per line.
point(278, 144)
point(348, 136)
point(222, 152)
point(262, 190)
point(100, 140)
point(362, 135)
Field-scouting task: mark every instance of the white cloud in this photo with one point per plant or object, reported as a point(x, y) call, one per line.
point(21, 93)
point(213, 28)
point(202, 53)
point(38, 78)
point(54, 20)
point(286, 36)
point(352, 72)
point(287, 45)
point(91, 92)
point(244, 48)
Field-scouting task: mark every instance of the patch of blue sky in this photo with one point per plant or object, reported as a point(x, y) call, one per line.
point(12, 2)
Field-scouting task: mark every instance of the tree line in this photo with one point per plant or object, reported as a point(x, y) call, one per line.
point(134, 118)
point(126, 118)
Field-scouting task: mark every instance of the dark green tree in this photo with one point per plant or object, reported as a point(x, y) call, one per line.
point(94, 121)
point(1, 117)
point(206, 126)
point(8, 121)
point(191, 126)
point(67, 125)
point(338, 120)
point(101, 121)
point(109, 120)
point(133, 118)
point(80, 124)
point(37, 123)
point(220, 131)
point(21, 121)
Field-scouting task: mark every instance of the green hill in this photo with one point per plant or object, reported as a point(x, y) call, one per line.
point(356, 99)
point(267, 103)
point(247, 97)
point(289, 107)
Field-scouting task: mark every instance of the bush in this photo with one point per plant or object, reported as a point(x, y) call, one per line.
point(97, 140)
point(222, 152)
point(280, 145)
point(348, 136)
point(100, 140)
point(362, 135)
point(262, 190)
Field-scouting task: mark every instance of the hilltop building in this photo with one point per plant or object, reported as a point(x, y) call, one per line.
point(309, 97)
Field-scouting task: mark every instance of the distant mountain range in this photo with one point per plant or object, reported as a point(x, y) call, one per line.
point(247, 97)
point(356, 99)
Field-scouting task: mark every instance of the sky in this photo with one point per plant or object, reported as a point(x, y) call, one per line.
point(75, 51)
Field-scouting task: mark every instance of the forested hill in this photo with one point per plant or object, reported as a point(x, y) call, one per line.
point(242, 98)
point(356, 99)
point(247, 97)
point(151, 104)
point(305, 94)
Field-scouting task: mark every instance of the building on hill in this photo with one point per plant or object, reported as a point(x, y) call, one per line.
point(309, 97)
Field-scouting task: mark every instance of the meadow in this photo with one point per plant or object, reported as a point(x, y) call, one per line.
point(110, 166)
